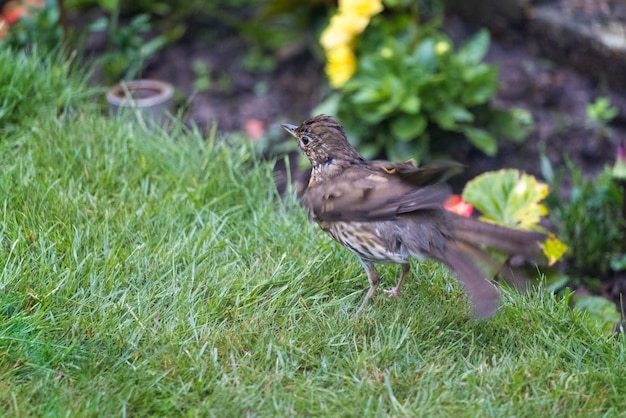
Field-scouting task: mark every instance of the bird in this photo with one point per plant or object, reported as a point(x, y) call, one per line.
point(389, 212)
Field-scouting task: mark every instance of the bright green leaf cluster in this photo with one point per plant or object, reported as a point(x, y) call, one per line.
point(413, 94)
point(589, 221)
point(600, 112)
point(508, 197)
point(513, 198)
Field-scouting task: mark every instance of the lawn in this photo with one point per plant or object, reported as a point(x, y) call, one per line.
point(150, 273)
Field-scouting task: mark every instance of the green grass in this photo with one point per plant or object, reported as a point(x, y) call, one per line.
point(153, 274)
point(34, 88)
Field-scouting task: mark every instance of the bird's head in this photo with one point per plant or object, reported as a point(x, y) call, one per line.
point(322, 140)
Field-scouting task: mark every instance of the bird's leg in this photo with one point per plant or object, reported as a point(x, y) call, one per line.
point(373, 278)
point(395, 292)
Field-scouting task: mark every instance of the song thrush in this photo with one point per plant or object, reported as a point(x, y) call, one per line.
point(387, 212)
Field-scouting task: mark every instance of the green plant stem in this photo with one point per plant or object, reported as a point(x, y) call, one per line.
point(63, 20)
point(113, 23)
point(622, 186)
point(415, 15)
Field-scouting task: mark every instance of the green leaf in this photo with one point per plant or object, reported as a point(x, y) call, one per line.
point(601, 111)
point(149, 48)
point(482, 140)
point(478, 72)
point(444, 120)
point(508, 197)
point(555, 284)
point(369, 113)
point(475, 49)
point(600, 311)
point(109, 5)
point(392, 85)
point(408, 127)
point(481, 84)
point(368, 95)
point(369, 66)
point(459, 113)
point(330, 105)
point(99, 24)
point(514, 125)
point(546, 167)
point(370, 150)
point(448, 116)
point(618, 262)
point(425, 55)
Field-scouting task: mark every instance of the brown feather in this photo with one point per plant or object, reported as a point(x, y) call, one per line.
point(511, 241)
point(482, 293)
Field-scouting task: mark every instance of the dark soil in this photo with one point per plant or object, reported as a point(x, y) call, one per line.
point(600, 11)
point(287, 93)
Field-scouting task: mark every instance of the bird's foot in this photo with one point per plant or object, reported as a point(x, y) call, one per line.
point(392, 293)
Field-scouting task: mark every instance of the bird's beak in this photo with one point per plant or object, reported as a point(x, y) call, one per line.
point(290, 128)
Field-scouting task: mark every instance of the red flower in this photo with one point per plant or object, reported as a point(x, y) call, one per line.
point(456, 204)
point(12, 11)
point(255, 129)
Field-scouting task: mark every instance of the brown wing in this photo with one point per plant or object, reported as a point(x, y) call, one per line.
point(380, 191)
point(432, 173)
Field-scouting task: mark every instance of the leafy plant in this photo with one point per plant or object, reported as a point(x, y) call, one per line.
point(257, 60)
point(411, 93)
point(599, 114)
point(202, 80)
point(509, 197)
point(127, 50)
point(514, 199)
point(38, 26)
point(265, 26)
point(589, 221)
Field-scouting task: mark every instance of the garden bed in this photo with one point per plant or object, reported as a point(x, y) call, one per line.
point(556, 95)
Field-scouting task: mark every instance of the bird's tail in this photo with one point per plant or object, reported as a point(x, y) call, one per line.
point(480, 290)
point(511, 241)
point(464, 255)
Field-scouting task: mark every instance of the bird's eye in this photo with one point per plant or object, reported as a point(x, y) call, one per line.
point(305, 140)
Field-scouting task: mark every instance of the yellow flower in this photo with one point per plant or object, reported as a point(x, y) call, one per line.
point(365, 8)
point(342, 30)
point(338, 38)
point(340, 65)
